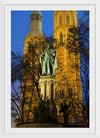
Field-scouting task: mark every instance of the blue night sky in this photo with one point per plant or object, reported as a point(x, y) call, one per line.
point(20, 25)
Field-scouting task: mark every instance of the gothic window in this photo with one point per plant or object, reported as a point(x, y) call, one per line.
point(67, 19)
point(73, 19)
point(37, 18)
point(60, 20)
point(70, 92)
point(62, 94)
point(69, 53)
point(33, 17)
point(61, 37)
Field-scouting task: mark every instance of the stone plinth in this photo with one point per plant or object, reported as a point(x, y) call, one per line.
point(47, 85)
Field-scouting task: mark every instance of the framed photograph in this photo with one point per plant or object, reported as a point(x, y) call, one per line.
point(49, 69)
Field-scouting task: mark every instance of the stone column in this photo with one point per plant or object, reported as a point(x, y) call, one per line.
point(42, 85)
point(54, 89)
point(48, 90)
point(43, 89)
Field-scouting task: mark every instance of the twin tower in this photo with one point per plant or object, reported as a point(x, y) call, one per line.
point(68, 77)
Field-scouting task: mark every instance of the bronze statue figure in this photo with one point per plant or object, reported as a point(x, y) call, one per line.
point(48, 61)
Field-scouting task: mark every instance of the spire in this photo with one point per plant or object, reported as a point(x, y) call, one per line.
point(35, 24)
point(36, 12)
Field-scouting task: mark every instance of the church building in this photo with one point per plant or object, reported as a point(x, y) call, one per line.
point(68, 84)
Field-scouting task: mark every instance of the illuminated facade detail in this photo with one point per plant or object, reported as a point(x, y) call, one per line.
point(68, 78)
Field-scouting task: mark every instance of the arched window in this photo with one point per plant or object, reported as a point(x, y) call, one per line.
point(73, 19)
point(60, 20)
point(69, 53)
point(70, 92)
point(67, 19)
point(61, 37)
point(62, 94)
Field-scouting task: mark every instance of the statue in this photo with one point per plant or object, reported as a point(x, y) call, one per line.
point(48, 61)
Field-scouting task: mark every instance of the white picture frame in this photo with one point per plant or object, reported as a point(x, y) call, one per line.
point(6, 130)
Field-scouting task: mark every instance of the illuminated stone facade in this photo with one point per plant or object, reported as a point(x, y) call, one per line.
point(68, 78)
point(30, 90)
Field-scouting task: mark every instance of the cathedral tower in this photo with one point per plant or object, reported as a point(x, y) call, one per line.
point(32, 49)
point(68, 77)
point(63, 20)
point(35, 24)
point(35, 28)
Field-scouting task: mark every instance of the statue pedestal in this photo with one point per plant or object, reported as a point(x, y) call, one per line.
point(47, 85)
